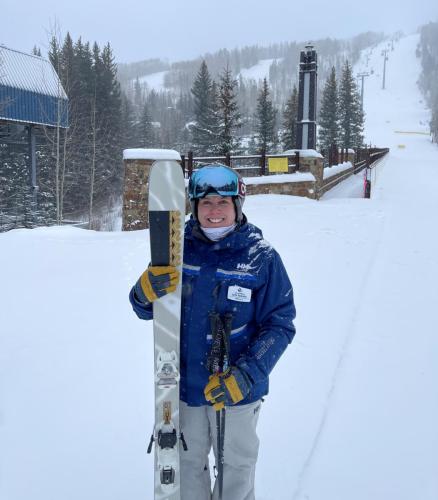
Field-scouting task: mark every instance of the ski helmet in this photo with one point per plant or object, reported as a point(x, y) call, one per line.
point(217, 179)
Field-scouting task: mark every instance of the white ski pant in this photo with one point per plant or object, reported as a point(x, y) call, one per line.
point(240, 451)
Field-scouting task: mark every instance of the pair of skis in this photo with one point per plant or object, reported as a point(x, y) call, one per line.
point(166, 228)
point(166, 225)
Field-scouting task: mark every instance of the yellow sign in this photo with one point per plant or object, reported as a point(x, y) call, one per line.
point(278, 165)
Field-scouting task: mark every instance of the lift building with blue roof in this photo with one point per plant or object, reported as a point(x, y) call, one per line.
point(31, 98)
point(30, 90)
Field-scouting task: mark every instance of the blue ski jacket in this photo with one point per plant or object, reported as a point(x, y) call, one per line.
point(242, 275)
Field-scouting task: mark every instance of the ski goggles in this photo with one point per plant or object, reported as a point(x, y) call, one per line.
point(215, 179)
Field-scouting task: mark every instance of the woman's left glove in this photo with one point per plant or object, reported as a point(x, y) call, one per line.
point(227, 388)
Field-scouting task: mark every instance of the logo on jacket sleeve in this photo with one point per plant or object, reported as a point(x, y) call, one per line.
point(239, 294)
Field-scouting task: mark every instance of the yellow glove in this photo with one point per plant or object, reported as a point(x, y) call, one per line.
point(155, 282)
point(227, 388)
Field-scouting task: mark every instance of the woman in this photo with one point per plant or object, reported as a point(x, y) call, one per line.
point(236, 295)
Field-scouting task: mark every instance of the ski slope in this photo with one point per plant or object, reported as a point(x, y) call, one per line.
point(154, 81)
point(353, 404)
point(259, 71)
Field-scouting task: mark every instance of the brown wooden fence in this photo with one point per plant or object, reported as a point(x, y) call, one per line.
point(367, 158)
point(247, 165)
point(257, 165)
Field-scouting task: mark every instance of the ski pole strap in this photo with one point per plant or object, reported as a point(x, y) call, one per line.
point(227, 325)
point(218, 359)
point(214, 360)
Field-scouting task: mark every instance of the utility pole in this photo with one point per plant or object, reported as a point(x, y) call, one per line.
point(362, 77)
point(385, 58)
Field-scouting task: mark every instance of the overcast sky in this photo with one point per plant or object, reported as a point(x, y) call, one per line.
point(183, 29)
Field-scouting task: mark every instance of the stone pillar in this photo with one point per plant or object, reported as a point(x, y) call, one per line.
point(317, 169)
point(312, 161)
point(137, 164)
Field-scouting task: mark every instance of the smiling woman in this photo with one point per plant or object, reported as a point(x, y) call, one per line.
point(237, 320)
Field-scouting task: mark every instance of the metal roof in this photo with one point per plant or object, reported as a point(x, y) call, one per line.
point(29, 72)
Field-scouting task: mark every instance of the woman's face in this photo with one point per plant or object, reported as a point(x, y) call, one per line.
point(216, 211)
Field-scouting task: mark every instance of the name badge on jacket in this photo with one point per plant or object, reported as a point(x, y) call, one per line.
point(239, 294)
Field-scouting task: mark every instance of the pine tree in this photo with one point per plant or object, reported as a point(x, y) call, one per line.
point(138, 97)
point(228, 112)
point(205, 128)
point(92, 144)
point(128, 124)
point(351, 118)
point(146, 129)
point(36, 51)
point(108, 102)
point(54, 54)
point(329, 114)
point(265, 120)
point(290, 117)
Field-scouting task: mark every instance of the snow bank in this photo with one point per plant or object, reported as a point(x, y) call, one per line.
point(280, 178)
point(336, 169)
point(304, 153)
point(151, 154)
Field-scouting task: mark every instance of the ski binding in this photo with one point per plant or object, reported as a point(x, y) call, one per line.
point(167, 451)
point(167, 371)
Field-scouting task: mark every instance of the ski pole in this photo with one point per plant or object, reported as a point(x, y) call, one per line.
point(217, 362)
point(220, 454)
point(220, 416)
point(214, 365)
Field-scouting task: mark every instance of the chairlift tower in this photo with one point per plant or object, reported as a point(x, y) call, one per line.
point(362, 77)
point(385, 58)
point(306, 122)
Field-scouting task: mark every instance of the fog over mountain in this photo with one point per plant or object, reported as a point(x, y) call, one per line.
point(175, 30)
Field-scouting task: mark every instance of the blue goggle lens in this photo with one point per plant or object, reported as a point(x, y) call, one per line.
point(207, 180)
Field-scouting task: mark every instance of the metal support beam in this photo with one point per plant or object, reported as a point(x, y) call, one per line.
point(33, 166)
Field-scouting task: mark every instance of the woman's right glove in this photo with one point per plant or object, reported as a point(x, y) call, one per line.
point(155, 282)
point(227, 388)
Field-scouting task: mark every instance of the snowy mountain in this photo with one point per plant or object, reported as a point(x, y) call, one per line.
point(353, 405)
point(256, 72)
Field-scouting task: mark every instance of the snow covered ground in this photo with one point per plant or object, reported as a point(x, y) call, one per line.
point(353, 405)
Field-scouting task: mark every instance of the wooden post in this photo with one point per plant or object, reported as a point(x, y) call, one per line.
point(183, 164)
point(190, 163)
point(263, 163)
point(228, 159)
point(297, 161)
